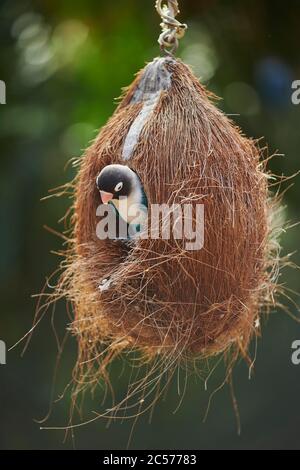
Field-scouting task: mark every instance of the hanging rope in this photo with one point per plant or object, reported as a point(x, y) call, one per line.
point(172, 29)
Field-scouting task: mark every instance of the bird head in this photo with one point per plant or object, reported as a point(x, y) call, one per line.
point(115, 181)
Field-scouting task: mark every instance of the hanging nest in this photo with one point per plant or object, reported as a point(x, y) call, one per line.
point(161, 299)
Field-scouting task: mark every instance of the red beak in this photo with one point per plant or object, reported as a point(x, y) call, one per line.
point(106, 197)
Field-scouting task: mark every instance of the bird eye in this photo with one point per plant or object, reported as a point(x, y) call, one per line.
point(118, 187)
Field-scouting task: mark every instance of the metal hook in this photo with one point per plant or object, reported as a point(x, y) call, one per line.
point(173, 30)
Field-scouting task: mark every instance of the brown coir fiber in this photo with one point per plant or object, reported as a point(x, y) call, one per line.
point(164, 300)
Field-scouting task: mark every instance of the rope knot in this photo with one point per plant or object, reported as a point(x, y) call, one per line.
point(172, 29)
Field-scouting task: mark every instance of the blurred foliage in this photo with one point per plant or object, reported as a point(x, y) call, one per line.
point(64, 62)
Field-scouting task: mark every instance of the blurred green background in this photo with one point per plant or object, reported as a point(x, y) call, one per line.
point(64, 62)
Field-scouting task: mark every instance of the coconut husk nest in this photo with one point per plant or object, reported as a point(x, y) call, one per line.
point(164, 300)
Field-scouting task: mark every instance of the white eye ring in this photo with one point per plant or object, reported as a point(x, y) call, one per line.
point(118, 187)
